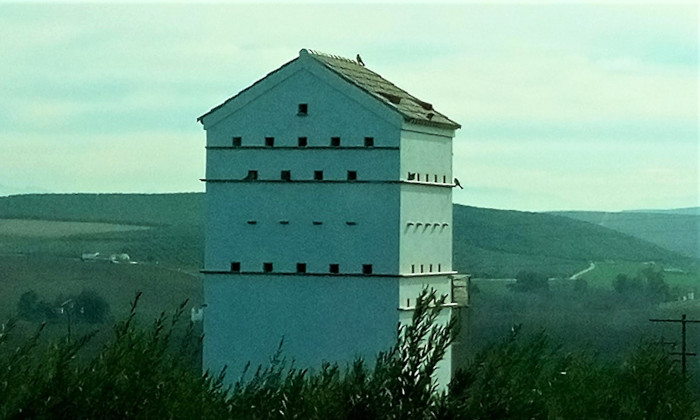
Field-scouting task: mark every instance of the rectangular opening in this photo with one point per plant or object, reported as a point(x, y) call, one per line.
point(430, 268)
point(303, 109)
point(427, 177)
point(267, 267)
point(252, 176)
point(435, 179)
point(366, 268)
point(335, 141)
point(302, 142)
point(237, 141)
point(439, 268)
point(444, 179)
point(413, 268)
point(269, 141)
point(236, 267)
point(318, 175)
point(334, 268)
point(301, 267)
point(418, 176)
point(421, 268)
point(286, 175)
point(369, 141)
point(352, 175)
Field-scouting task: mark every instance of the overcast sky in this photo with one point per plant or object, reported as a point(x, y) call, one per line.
point(591, 107)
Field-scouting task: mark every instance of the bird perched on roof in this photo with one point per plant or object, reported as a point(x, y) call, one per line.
point(411, 176)
point(359, 60)
point(458, 184)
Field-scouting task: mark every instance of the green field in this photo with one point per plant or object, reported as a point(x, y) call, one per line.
point(605, 272)
point(49, 229)
point(163, 288)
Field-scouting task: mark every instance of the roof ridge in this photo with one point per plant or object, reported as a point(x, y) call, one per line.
point(323, 54)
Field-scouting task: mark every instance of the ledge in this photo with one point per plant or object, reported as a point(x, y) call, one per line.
point(287, 274)
point(302, 147)
point(326, 181)
point(444, 305)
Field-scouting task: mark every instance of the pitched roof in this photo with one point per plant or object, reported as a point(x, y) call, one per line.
point(412, 109)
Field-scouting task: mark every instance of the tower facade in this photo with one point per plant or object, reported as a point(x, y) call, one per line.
point(329, 208)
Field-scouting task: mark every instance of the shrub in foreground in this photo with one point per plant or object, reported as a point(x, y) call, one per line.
point(146, 373)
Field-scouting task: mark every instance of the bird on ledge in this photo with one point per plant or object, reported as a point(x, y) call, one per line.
point(359, 60)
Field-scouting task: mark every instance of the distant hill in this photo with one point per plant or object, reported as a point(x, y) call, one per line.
point(495, 243)
point(501, 242)
point(142, 209)
point(676, 230)
point(686, 210)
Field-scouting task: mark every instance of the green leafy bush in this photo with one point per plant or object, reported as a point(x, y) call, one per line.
point(147, 373)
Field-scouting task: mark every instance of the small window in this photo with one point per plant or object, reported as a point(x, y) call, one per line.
point(334, 268)
point(286, 175)
point(421, 268)
point(335, 141)
point(318, 175)
point(303, 109)
point(366, 268)
point(237, 141)
point(369, 141)
point(302, 142)
point(418, 176)
point(430, 268)
point(252, 176)
point(439, 268)
point(427, 177)
point(444, 179)
point(267, 267)
point(301, 268)
point(236, 267)
point(435, 178)
point(269, 141)
point(352, 175)
point(413, 268)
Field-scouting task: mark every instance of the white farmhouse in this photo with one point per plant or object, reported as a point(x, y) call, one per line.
point(329, 208)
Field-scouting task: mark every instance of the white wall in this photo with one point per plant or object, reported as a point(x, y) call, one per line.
point(372, 239)
point(321, 319)
point(427, 152)
point(426, 229)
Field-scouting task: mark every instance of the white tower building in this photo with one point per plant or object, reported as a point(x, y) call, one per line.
point(329, 208)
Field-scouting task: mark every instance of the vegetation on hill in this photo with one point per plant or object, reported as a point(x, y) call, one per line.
point(679, 232)
point(497, 243)
point(138, 209)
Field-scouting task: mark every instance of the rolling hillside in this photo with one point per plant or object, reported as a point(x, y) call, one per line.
point(494, 243)
point(676, 230)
